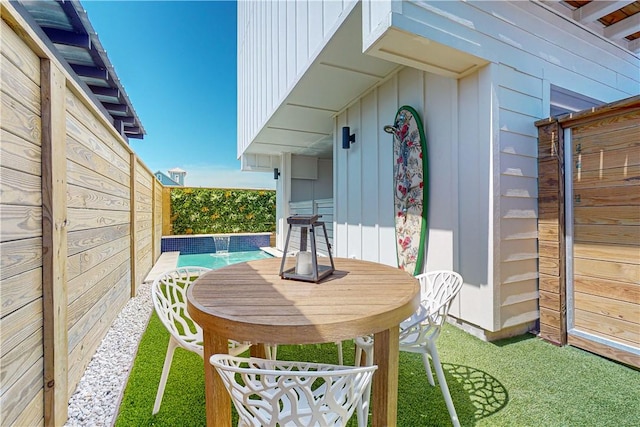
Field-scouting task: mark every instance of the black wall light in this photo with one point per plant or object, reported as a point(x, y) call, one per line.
point(347, 137)
point(276, 173)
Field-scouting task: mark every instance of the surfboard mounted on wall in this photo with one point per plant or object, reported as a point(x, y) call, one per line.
point(411, 194)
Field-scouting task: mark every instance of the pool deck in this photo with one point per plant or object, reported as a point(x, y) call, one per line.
point(169, 261)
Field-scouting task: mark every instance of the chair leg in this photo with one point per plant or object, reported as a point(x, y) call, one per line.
point(171, 348)
point(427, 368)
point(362, 411)
point(271, 351)
point(443, 384)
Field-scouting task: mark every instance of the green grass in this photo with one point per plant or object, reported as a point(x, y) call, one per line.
point(521, 381)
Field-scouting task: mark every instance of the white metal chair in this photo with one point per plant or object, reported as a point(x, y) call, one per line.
point(418, 334)
point(169, 295)
point(269, 393)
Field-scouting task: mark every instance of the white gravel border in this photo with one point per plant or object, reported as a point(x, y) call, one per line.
point(99, 392)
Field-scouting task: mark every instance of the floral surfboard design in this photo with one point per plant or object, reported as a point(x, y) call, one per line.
point(410, 188)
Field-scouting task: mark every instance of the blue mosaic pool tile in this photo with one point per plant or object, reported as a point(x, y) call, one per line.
point(206, 244)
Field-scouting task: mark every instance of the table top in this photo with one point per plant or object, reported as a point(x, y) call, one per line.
point(250, 302)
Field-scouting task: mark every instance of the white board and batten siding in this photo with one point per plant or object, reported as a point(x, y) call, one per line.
point(22, 353)
point(482, 145)
point(363, 175)
point(298, 31)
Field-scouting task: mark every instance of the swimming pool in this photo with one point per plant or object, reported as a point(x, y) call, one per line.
point(220, 260)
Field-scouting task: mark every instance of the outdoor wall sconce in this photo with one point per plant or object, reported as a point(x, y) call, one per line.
point(347, 137)
point(276, 173)
point(307, 268)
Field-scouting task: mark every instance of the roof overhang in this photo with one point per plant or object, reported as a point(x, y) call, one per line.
point(340, 74)
point(65, 27)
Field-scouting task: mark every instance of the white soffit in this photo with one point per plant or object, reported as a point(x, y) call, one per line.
point(424, 54)
point(303, 123)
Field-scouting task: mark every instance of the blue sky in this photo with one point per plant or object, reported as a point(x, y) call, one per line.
point(177, 63)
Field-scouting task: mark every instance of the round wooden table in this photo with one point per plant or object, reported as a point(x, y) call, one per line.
point(250, 302)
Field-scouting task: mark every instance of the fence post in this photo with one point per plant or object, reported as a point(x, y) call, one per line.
point(54, 243)
point(551, 243)
point(132, 230)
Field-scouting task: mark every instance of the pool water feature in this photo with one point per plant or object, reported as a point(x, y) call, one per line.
point(219, 260)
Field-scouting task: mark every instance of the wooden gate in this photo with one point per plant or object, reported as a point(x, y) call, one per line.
point(597, 304)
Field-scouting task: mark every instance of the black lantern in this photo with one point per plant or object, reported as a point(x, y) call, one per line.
point(307, 268)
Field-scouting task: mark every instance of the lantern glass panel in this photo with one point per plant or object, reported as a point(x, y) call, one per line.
point(309, 266)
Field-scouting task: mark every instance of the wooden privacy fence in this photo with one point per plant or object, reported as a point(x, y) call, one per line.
point(81, 222)
point(589, 230)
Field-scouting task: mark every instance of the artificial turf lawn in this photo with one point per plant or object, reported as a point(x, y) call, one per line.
point(521, 381)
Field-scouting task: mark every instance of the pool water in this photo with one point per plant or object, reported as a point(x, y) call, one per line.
point(220, 260)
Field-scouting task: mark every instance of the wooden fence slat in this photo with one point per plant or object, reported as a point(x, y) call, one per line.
point(19, 290)
point(19, 325)
point(16, 400)
point(19, 188)
point(78, 133)
point(19, 256)
point(608, 307)
point(81, 283)
point(19, 120)
point(607, 270)
point(614, 196)
point(17, 85)
point(83, 261)
point(88, 332)
point(84, 219)
point(84, 177)
point(83, 240)
point(628, 176)
point(603, 161)
point(621, 120)
point(76, 108)
point(20, 359)
point(550, 300)
point(616, 138)
point(80, 154)
point(606, 215)
point(605, 350)
point(32, 415)
point(16, 51)
point(19, 154)
point(20, 222)
point(627, 292)
point(629, 254)
point(80, 197)
point(614, 234)
point(608, 327)
point(550, 317)
point(81, 305)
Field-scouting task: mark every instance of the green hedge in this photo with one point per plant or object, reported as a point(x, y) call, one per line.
point(212, 210)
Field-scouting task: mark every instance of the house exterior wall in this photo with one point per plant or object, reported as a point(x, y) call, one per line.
point(277, 42)
point(494, 195)
point(521, 34)
point(76, 227)
point(481, 138)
